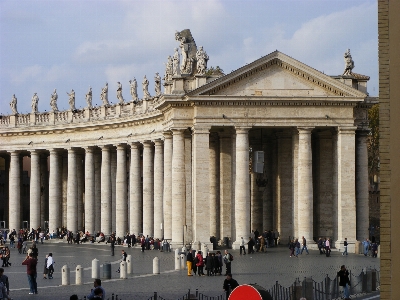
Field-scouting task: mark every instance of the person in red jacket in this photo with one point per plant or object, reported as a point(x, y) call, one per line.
point(200, 263)
point(30, 262)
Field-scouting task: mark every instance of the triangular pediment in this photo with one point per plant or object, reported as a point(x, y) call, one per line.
point(277, 75)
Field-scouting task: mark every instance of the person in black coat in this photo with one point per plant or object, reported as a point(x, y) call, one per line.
point(210, 265)
point(250, 245)
point(229, 285)
point(189, 263)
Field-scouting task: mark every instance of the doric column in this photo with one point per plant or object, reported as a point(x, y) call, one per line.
point(178, 186)
point(80, 174)
point(97, 190)
point(15, 192)
point(135, 190)
point(72, 191)
point(214, 186)
point(90, 211)
point(295, 174)
point(106, 190)
point(167, 201)
point(44, 191)
point(346, 202)
point(34, 200)
point(121, 192)
point(305, 185)
point(113, 175)
point(158, 187)
point(188, 211)
point(64, 180)
point(267, 210)
point(362, 196)
point(55, 190)
point(225, 190)
point(148, 188)
point(242, 186)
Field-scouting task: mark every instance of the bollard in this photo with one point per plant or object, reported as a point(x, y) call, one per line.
point(106, 271)
point(177, 260)
point(156, 265)
point(183, 258)
point(129, 264)
point(65, 275)
point(95, 268)
point(79, 275)
point(122, 270)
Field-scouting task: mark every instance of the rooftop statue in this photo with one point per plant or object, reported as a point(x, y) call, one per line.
point(71, 100)
point(145, 85)
point(53, 101)
point(13, 105)
point(188, 51)
point(133, 85)
point(119, 93)
point(157, 88)
point(169, 69)
point(349, 63)
point(175, 64)
point(89, 97)
point(35, 102)
point(104, 95)
point(202, 59)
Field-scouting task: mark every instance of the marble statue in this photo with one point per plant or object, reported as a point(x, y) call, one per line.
point(184, 50)
point(35, 102)
point(175, 63)
point(88, 97)
point(119, 93)
point(188, 51)
point(104, 94)
point(71, 100)
point(53, 101)
point(169, 69)
point(133, 85)
point(349, 63)
point(202, 59)
point(145, 85)
point(13, 105)
point(157, 87)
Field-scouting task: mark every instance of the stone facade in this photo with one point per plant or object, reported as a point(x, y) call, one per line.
point(177, 165)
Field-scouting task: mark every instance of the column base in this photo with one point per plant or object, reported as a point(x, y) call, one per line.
point(236, 245)
point(176, 245)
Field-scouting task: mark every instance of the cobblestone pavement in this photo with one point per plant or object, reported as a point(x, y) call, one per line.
point(261, 268)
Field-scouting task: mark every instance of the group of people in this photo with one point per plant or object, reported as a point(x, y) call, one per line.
point(370, 248)
point(296, 248)
point(324, 246)
point(212, 262)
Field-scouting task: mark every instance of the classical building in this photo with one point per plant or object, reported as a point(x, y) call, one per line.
point(275, 144)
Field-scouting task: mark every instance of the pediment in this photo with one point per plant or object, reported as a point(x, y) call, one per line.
point(277, 75)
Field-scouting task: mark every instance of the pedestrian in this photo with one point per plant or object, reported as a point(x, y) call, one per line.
point(276, 236)
point(200, 264)
point(320, 246)
point(297, 247)
point(97, 285)
point(195, 261)
point(242, 246)
point(142, 243)
point(304, 246)
point(229, 284)
point(50, 265)
point(45, 270)
point(374, 249)
point(345, 247)
point(228, 261)
point(366, 246)
point(124, 255)
point(4, 281)
point(189, 262)
point(344, 281)
point(112, 243)
point(250, 245)
point(3, 256)
point(220, 262)
point(30, 262)
point(327, 247)
point(24, 246)
point(210, 264)
point(35, 250)
point(291, 247)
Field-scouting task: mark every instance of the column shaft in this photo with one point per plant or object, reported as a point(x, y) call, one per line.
point(148, 189)
point(214, 187)
point(55, 190)
point(35, 190)
point(158, 188)
point(167, 201)
point(136, 204)
point(121, 193)
point(362, 195)
point(90, 212)
point(72, 192)
point(97, 192)
point(15, 192)
point(225, 190)
point(106, 209)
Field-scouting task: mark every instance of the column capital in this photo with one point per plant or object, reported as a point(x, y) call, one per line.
point(347, 130)
point(121, 146)
point(105, 148)
point(135, 145)
point(158, 142)
point(167, 134)
point(89, 149)
point(147, 143)
point(54, 150)
point(35, 151)
point(242, 129)
point(14, 152)
point(200, 130)
point(178, 130)
point(305, 130)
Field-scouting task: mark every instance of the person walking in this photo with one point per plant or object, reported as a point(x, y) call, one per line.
point(228, 261)
point(97, 285)
point(189, 262)
point(200, 264)
point(45, 270)
point(304, 246)
point(366, 246)
point(30, 262)
point(112, 243)
point(345, 247)
point(4, 281)
point(344, 281)
point(291, 248)
point(229, 284)
point(297, 247)
point(242, 247)
point(50, 265)
point(327, 247)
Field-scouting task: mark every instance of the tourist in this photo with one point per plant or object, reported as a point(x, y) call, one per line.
point(210, 264)
point(50, 265)
point(262, 242)
point(220, 261)
point(112, 243)
point(45, 270)
point(35, 251)
point(96, 285)
point(345, 247)
point(142, 243)
point(4, 281)
point(124, 255)
point(189, 262)
point(242, 246)
point(276, 236)
point(250, 245)
point(374, 249)
point(291, 247)
point(228, 261)
point(297, 247)
point(200, 264)
point(74, 297)
point(344, 281)
point(30, 262)
point(327, 247)
point(229, 284)
point(304, 246)
point(366, 246)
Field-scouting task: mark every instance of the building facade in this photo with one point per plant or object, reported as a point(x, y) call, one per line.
point(275, 144)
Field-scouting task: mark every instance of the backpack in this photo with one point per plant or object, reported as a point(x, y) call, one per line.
point(230, 257)
point(195, 260)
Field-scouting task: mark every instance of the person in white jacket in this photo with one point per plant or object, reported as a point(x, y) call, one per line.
point(50, 267)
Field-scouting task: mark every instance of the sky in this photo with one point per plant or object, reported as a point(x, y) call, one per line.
point(70, 44)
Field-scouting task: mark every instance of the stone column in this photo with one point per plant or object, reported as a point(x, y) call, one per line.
point(97, 189)
point(121, 192)
point(346, 209)
point(362, 195)
point(148, 188)
point(64, 181)
point(158, 187)
point(167, 201)
point(214, 186)
point(178, 186)
point(268, 191)
point(305, 185)
point(295, 186)
point(34, 219)
point(113, 176)
point(55, 190)
point(14, 203)
point(106, 209)
point(242, 186)
point(136, 205)
point(90, 210)
point(225, 190)
point(81, 187)
point(72, 191)
point(44, 190)
point(188, 212)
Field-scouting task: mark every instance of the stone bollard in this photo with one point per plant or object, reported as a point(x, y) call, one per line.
point(183, 258)
point(177, 260)
point(79, 275)
point(122, 270)
point(95, 268)
point(65, 275)
point(129, 264)
point(156, 265)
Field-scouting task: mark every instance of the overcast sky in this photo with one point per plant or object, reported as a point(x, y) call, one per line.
point(76, 44)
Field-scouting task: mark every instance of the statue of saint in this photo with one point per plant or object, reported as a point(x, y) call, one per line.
point(88, 97)
point(35, 102)
point(145, 85)
point(169, 69)
point(119, 93)
point(349, 63)
point(133, 85)
point(71, 100)
point(13, 105)
point(175, 63)
point(202, 59)
point(104, 94)
point(157, 88)
point(53, 101)
point(184, 51)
